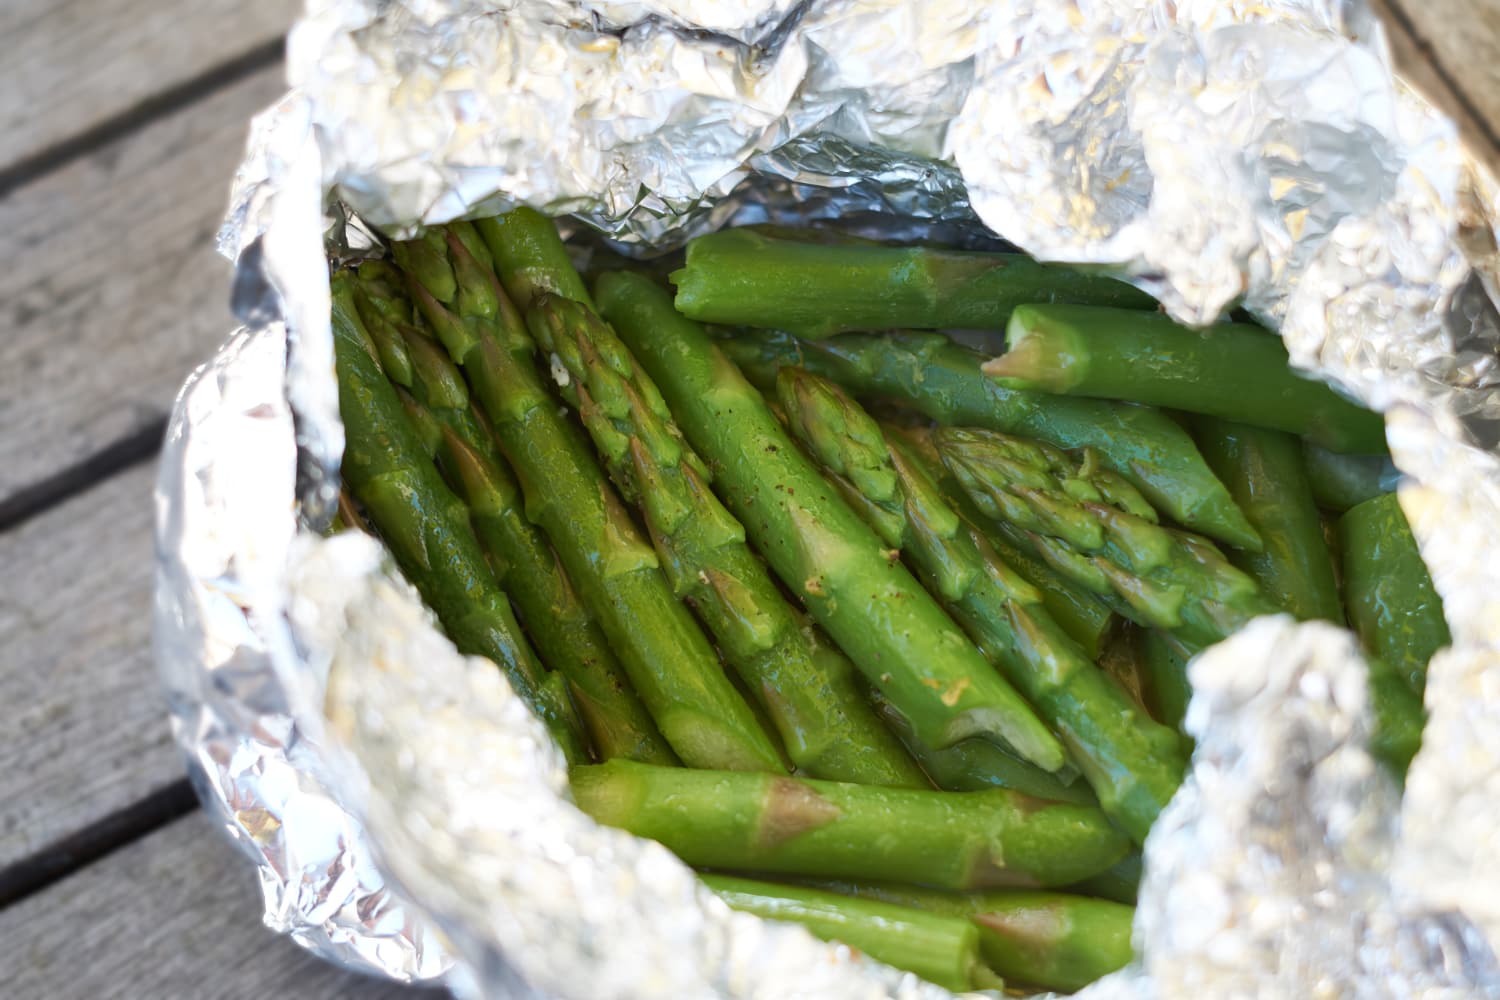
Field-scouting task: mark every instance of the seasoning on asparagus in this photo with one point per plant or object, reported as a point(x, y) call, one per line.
point(1392, 604)
point(853, 584)
point(974, 765)
point(809, 693)
point(1050, 940)
point(739, 277)
point(1264, 472)
point(1133, 765)
point(1343, 481)
point(426, 527)
point(1093, 527)
point(772, 824)
point(669, 662)
point(565, 633)
point(944, 382)
point(941, 948)
point(1231, 370)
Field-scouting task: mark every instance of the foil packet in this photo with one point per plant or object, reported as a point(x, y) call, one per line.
point(405, 813)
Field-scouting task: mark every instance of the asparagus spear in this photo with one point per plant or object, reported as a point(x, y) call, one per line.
point(530, 258)
point(1081, 614)
point(566, 634)
point(774, 824)
point(852, 584)
point(1264, 472)
point(1133, 765)
point(942, 949)
point(1119, 883)
point(425, 526)
point(1050, 940)
point(668, 660)
point(739, 277)
point(809, 693)
point(1343, 481)
point(1392, 604)
point(1232, 370)
point(974, 765)
point(1093, 527)
point(943, 380)
point(1164, 667)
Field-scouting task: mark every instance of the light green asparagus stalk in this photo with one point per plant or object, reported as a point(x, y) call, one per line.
point(1133, 765)
point(941, 948)
point(564, 631)
point(762, 823)
point(1049, 940)
point(974, 765)
point(852, 583)
point(669, 662)
point(1096, 529)
point(827, 727)
point(426, 527)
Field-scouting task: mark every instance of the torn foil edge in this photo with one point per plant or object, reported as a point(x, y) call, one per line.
point(1357, 295)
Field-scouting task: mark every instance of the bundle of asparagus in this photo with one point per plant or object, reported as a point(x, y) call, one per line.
point(955, 625)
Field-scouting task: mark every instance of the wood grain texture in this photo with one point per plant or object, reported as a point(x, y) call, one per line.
point(71, 65)
point(85, 723)
point(1449, 50)
point(176, 914)
point(111, 291)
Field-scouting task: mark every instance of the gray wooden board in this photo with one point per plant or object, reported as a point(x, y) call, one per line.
point(85, 724)
point(175, 914)
point(111, 291)
point(71, 65)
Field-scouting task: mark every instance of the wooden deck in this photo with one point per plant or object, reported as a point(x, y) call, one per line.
point(122, 124)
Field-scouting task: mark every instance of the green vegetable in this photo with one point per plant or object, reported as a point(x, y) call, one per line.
point(425, 526)
point(944, 382)
point(1264, 472)
point(739, 277)
point(664, 653)
point(1163, 662)
point(974, 765)
point(854, 585)
point(941, 949)
point(1388, 591)
point(1235, 371)
point(1133, 765)
point(530, 258)
point(1120, 882)
point(565, 633)
point(1093, 527)
point(765, 823)
point(1343, 481)
point(1050, 940)
point(806, 688)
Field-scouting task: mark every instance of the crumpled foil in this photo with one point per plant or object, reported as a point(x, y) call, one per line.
point(408, 817)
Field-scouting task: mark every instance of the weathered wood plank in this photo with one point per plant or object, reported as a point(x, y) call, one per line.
point(1449, 50)
point(111, 292)
point(71, 65)
point(85, 722)
point(175, 914)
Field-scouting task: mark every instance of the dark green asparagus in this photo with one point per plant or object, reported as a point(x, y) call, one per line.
point(974, 765)
point(942, 949)
point(944, 382)
point(739, 277)
point(564, 631)
point(1343, 481)
point(763, 823)
point(1092, 526)
point(1392, 604)
point(1164, 661)
point(1235, 371)
point(426, 527)
point(1133, 765)
point(807, 690)
point(1049, 940)
point(668, 660)
point(854, 585)
point(1264, 472)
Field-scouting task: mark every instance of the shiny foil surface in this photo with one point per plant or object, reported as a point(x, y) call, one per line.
point(406, 814)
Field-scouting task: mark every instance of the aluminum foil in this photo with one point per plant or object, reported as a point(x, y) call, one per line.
point(406, 814)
